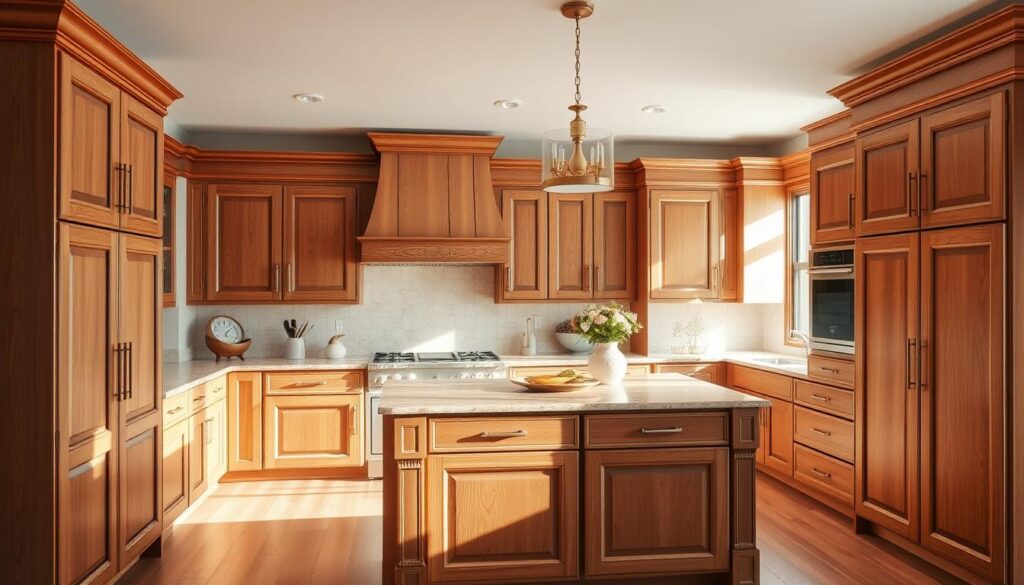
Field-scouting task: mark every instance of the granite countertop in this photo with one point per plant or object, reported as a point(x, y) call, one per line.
point(179, 377)
point(746, 358)
point(641, 393)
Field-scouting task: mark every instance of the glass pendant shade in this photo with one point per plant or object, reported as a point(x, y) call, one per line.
point(588, 168)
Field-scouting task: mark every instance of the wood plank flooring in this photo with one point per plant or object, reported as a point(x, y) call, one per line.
point(329, 531)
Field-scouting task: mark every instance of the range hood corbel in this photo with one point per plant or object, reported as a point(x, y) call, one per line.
point(435, 202)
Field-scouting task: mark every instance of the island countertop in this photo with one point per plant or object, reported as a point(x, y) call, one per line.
point(498, 396)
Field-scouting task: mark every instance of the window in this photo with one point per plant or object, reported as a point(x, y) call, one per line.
point(168, 243)
point(799, 243)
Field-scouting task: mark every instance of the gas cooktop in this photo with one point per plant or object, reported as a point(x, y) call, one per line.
point(454, 358)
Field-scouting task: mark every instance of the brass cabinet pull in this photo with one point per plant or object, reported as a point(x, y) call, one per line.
point(176, 410)
point(508, 278)
point(821, 398)
point(131, 382)
point(910, 199)
point(922, 363)
point(291, 277)
point(118, 371)
point(665, 431)
point(355, 420)
point(829, 370)
point(911, 346)
point(198, 398)
point(922, 195)
point(821, 432)
point(119, 204)
point(131, 187)
point(821, 473)
point(502, 434)
point(849, 219)
point(308, 384)
point(277, 278)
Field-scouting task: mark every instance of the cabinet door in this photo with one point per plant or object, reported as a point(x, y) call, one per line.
point(142, 153)
point(707, 372)
point(320, 243)
point(140, 311)
point(886, 308)
point(197, 469)
point(243, 241)
point(887, 181)
point(87, 404)
point(176, 464)
point(516, 516)
point(313, 431)
point(656, 511)
point(614, 245)
point(963, 163)
point(216, 442)
point(832, 197)
point(962, 396)
point(778, 441)
point(729, 253)
point(570, 246)
point(90, 180)
point(195, 243)
point(245, 421)
point(684, 244)
point(525, 214)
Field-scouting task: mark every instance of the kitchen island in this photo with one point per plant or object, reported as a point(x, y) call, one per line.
point(650, 482)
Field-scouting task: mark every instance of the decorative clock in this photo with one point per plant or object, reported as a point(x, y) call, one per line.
point(226, 337)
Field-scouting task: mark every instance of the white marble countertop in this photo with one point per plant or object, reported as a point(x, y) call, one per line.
point(746, 358)
point(640, 392)
point(179, 377)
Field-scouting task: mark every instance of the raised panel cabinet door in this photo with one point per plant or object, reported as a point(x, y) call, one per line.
point(216, 441)
point(651, 511)
point(175, 475)
point(525, 214)
point(245, 421)
point(90, 180)
point(963, 388)
point(87, 381)
point(313, 431)
point(887, 429)
point(243, 242)
point(729, 253)
point(963, 163)
point(684, 244)
point(570, 246)
point(195, 243)
point(886, 164)
point(197, 468)
point(832, 195)
point(142, 153)
point(515, 516)
point(778, 452)
point(320, 243)
point(614, 245)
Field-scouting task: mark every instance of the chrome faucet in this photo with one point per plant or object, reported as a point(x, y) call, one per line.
point(803, 339)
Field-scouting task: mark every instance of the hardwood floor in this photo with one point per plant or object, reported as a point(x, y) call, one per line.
point(329, 531)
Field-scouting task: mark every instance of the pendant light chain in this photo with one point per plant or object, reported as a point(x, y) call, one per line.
point(578, 95)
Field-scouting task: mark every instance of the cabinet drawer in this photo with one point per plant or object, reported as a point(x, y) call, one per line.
point(197, 400)
point(216, 390)
point(766, 383)
point(829, 475)
point(326, 382)
point(827, 398)
point(680, 429)
point(825, 433)
point(462, 435)
point(520, 371)
point(833, 371)
point(707, 372)
point(176, 409)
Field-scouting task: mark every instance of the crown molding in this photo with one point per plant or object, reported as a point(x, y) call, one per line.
point(435, 143)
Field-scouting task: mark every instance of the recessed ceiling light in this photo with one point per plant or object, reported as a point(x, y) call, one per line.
point(508, 104)
point(308, 98)
point(654, 109)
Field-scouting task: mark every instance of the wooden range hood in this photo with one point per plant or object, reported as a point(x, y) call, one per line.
point(435, 202)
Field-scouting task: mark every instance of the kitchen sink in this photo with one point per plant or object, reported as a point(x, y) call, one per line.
point(774, 361)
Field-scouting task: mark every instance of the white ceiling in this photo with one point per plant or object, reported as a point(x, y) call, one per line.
point(744, 72)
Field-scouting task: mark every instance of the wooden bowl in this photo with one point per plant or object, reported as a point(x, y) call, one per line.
point(222, 349)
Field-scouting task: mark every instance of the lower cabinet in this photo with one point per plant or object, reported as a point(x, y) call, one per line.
point(197, 473)
point(176, 463)
point(513, 516)
point(656, 511)
point(713, 373)
point(245, 421)
point(313, 431)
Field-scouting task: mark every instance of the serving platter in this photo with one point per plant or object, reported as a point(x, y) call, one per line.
point(565, 387)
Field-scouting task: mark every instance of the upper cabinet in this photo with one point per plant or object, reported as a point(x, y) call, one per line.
point(942, 169)
point(685, 231)
point(569, 246)
point(832, 195)
point(262, 243)
point(111, 154)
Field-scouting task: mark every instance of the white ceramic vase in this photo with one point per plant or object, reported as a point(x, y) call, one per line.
point(607, 364)
point(295, 349)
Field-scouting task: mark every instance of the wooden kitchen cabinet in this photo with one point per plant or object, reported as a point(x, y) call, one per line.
point(245, 421)
point(778, 441)
point(243, 242)
point(525, 214)
point(111, 154)
point(320, 243)
point(730, 253)
point(713, 373)
point(685, 236)
point(197, 468)
point(217, 441)
point(195, 243)
point(176, 467)
point(887, 180)
point(775, 451)
point(654, 511)
point(614, 245)
point(832, 195)
point(313, 431)
point(570, 246)
point(515, 516)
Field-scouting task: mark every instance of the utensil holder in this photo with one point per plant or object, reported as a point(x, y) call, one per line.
point(295, 349)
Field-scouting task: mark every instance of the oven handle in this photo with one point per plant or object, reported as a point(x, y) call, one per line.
point(814, 271)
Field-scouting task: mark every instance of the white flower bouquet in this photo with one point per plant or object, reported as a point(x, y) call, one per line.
point(606, 323)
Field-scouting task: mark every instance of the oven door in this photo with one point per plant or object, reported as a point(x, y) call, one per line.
point(832, 298)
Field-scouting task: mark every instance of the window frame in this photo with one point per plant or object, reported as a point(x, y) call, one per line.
point(792, 192)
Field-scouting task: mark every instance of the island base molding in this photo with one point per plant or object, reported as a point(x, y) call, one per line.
point(610, 498)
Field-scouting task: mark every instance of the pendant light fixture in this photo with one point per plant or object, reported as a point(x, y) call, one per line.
point(577, 159)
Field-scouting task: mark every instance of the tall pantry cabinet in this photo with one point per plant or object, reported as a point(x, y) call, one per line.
point(80, 423)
